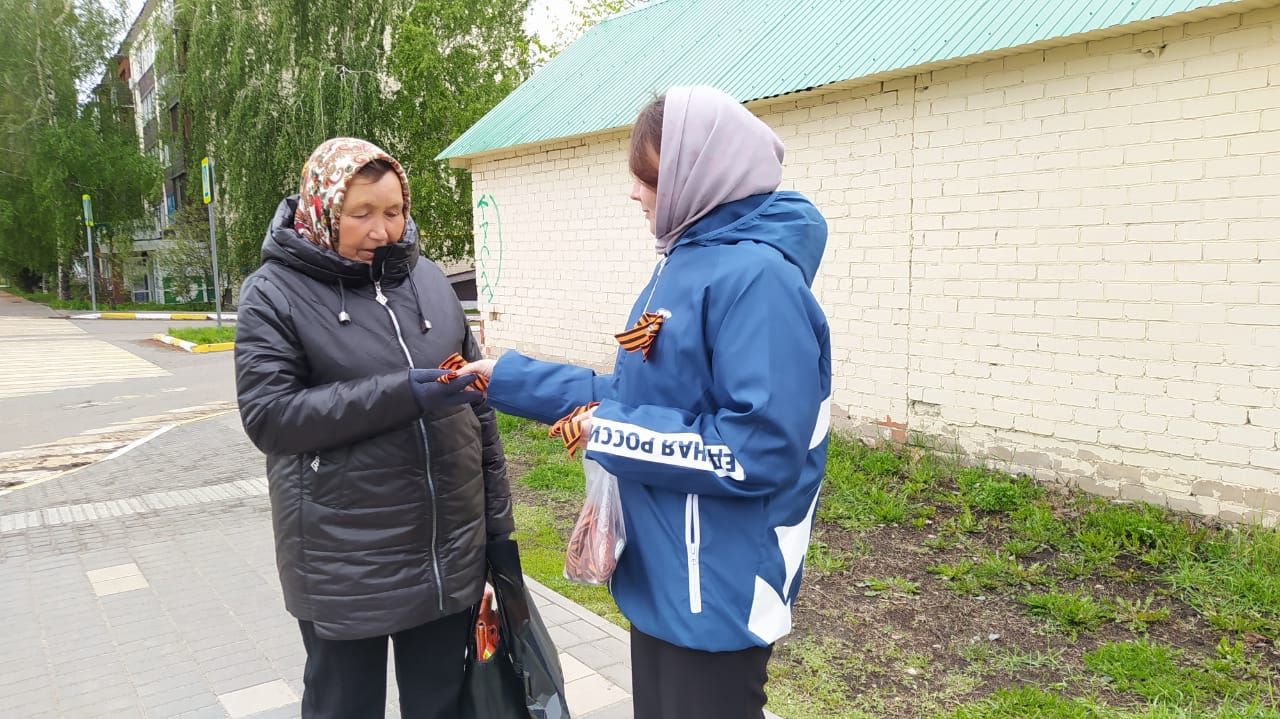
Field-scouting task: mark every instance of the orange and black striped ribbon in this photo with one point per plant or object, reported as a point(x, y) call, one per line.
point(590, 556)
point(569, 431)
point(456, 362)
point(642, 336)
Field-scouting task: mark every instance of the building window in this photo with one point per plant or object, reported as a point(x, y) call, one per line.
point(148, 105)
point(180, 187)
point(149, 140)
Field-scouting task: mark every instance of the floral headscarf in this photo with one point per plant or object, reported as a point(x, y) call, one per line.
point(325, 179)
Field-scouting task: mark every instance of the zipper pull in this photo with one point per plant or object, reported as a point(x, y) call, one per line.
point(377, 290)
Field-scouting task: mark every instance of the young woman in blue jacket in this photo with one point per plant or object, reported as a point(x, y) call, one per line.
point(715, 418)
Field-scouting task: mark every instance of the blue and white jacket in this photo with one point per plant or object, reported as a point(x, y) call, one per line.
point(719, 438)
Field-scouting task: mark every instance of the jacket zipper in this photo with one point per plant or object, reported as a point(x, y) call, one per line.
point(692, 547)
point(656, 279)
point(426, 446)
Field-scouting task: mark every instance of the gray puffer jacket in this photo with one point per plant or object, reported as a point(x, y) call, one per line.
point(380, 513)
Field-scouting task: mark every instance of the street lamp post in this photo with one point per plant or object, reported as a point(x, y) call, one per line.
point(206, 178)
point(90, 265)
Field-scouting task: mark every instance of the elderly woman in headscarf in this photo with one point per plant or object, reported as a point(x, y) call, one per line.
point(715, 418)
point(385, 482)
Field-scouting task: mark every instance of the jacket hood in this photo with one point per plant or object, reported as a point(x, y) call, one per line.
point(786, 221)
point(283, 244)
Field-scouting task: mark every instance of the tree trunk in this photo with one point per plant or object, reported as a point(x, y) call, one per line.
point(64, 280)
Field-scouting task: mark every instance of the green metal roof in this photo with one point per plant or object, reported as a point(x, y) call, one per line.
point(756, 49)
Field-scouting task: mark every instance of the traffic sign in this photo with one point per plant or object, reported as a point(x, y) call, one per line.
point(206, 179)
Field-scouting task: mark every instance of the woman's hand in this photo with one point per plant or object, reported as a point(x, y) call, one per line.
point(583, 421)
point(481, 368)
point(433, 395)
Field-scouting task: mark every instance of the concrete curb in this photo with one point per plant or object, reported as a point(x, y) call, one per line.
point(577, 610)
point(192, 346)
point(171, 316)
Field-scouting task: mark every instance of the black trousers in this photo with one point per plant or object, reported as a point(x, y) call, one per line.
point(670, 682)
point(347, 679)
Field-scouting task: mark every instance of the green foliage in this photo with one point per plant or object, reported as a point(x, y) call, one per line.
point(808, 675)
point(994, 491)
point(1027, 702)
point(966, 522)
point(204, 335)
point(823, 559)
point(1097, 547)
point(549, 470)
point(1034, 703)
point(1019, 547)
point(992, 570)
point(883, 463)
point(57, 142)
point(1143, 667)
point(185, 257)
point(889, 585)
point(1142, 530)
point(408, 75)
point(1036, 523)
point(454, 60)
point(1253, 710)
point(562, 479)
point(1233, 579)
point(863, 486)
point(1138, 614)
point(1161, 674)
point(1071, 611)
point(993, 659)
point(958, 575)
point(51, 299)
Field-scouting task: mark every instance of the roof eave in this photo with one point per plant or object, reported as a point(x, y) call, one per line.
point(464, 161)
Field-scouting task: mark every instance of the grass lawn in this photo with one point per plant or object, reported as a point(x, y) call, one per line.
point(939, 591)
point(51, 300)
point(547, 489)
point(204, 335)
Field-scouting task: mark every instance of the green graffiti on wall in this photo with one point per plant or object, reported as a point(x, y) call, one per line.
point(488, 247)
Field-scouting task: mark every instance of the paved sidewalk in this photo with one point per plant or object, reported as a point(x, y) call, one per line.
point(37, 463)
point(12, 305)
point(145, 586)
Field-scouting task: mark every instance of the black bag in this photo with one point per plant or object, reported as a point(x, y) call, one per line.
point(523, 680)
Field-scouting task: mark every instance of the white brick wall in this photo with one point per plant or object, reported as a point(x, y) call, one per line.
point(1067, 262)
